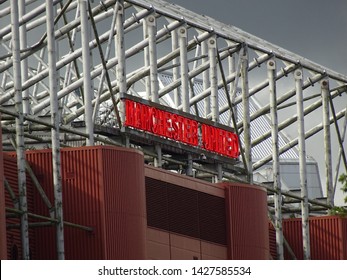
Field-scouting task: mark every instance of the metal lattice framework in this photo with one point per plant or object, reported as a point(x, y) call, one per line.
point(66, 64)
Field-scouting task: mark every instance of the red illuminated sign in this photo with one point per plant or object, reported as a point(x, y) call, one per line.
point(178, 128)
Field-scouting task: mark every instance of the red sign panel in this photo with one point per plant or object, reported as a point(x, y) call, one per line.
point(178, 128)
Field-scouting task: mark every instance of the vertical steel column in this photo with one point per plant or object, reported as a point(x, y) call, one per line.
point(152, 30)
point(175, 70)
point(120, 52)
point(246, 113)
point(205, 78)
point(232, 69)
point(158, 162)
point(24, 228)
point(212, 48)
point(271, 66)
point(219, 172)
point(182, 40)
point(146, 60)
point(298, 75)
point(87, 85)
point(327, 142)
point(190, 165)
point(51, 47)
point(24, 62)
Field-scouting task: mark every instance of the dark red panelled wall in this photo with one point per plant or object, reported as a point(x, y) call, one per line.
point(248, 236)
point(3, 246)
point(328, 238)
point(140, 212)
point(103, 188)
point(13, 233)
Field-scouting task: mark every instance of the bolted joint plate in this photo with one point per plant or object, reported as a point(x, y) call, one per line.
point(182, 32)
point(211, 43)
point(325, 84)
point(150, 20)
point(271, 64)
point(298, 75)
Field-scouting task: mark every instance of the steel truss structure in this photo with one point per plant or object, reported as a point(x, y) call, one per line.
point(65, 66)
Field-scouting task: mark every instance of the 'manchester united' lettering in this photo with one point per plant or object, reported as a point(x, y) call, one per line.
point(182, 129)
point(220, 141)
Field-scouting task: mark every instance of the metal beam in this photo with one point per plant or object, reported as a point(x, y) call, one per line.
point(295, 141)
point(212, 54)
point(182, 41)
point(287, 122)
point(298, 75)
point(246, 113)
point(23, 204)
point(120, 53)
point(327, 142)
point(152, 49)
point(271, 66)
point(87, 85)
point(53, 86)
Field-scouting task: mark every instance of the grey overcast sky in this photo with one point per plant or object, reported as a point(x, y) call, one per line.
point(315, 29)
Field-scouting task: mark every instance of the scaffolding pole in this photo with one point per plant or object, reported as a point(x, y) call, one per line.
point(23, 205)
point(158, 161)
point(219, 172)
point(232, 77)
point(120, 53)
point(293, 119)
point(182, 41)
point(175, 70)
point(146, 59)
point(212, 54)
point(284, 97)
point(205, 78)
point(189, 171)
point(87, 84)
point(53, 87)
point(50, 219)
point(246, 113)
point(24, 62)
point(271, 66)
point(327, 142)
point(152, 47)
point(295, 141)
point(302, 164)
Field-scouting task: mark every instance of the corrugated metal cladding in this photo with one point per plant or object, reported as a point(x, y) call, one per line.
point(185, 217)
point(3, 245)
point(215, 213)
point(248, 235)
point(103, 188)
point(272, 242)
point(185, 211)
point(13, 235)
point(328, 237)
point(125, 208)
point(344, 237)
